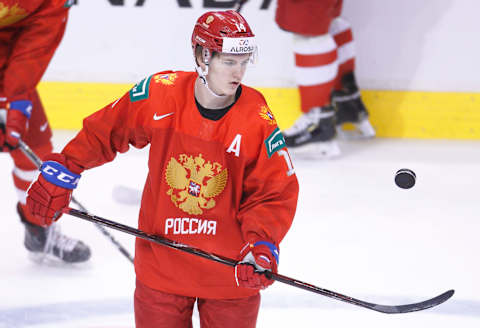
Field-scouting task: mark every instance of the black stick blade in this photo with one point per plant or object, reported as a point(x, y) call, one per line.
point(412, 307)
point(371, 306)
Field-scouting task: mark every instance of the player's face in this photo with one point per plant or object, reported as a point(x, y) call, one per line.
point(226, 71)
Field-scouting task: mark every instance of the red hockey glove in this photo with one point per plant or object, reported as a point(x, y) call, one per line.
point(52, 191)
point(18, 114)
point(256, 258)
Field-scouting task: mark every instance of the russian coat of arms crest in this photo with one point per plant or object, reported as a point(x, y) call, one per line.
point(194, 182)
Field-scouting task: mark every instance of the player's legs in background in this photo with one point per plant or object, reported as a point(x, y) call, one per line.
point(239, 313)
point(156, 309)
point(346, 94)
point(316, 68)
point(41, 241)
point(315, 72)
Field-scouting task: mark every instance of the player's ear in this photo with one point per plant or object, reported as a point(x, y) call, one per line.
point(199, 57)
point(206, 55)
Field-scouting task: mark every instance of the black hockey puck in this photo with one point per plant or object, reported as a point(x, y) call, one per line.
point(405, 178)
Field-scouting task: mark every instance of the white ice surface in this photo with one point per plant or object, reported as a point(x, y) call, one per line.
point(355, 233)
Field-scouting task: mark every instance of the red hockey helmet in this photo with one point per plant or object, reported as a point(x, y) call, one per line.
point(224, 31)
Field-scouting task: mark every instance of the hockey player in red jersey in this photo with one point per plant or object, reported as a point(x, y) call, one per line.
point(30, 32)
point(220, 179)
point(324, 72)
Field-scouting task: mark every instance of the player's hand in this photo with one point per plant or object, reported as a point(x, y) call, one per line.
point(50, 194)
point(17, 115)
point(255, 259)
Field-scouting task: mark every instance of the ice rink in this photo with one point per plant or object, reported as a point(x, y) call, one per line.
point(355, 232)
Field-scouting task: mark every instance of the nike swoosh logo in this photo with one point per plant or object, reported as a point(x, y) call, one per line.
point(159, 117)
point(43, 127)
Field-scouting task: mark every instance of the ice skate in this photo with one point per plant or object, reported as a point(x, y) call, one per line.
point(48, 244)
point(313, 134)
point(351, 109)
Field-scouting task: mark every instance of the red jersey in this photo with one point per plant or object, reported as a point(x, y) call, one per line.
point(30, 31)
point(307, 17)
point(214, 185)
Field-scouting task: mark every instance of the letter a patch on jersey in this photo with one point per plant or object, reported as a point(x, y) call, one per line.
point(141, 90)
point(274, 142)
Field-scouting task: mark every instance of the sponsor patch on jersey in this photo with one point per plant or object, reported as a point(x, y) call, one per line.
point(141, 90)
point(274, 142)
point(165, 79)
point(267, 115)
point(194, 182)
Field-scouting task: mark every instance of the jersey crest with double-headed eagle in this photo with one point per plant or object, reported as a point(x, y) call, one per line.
point(194, 182)
point(267, 115)
point(166, 79)
point(10, 14)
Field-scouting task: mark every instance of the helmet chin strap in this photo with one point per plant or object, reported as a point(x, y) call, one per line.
point(203, 74)
point(203, 77)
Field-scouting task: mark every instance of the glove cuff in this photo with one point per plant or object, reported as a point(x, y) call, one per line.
point(23, 106)
point(62, 159)
point(59, 175)
point(60, 172)
point(273, 249)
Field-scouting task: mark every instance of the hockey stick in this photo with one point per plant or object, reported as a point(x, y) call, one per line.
point(38, 162)
point(239, 5)
point(278, 277)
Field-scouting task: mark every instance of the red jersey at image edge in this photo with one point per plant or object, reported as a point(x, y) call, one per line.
point(30, 32)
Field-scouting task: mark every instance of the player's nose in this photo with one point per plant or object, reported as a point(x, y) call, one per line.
point(238, 72)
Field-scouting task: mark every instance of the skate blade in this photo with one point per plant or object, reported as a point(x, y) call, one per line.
point(356, 131)
point(316, 150)
point(50, 260)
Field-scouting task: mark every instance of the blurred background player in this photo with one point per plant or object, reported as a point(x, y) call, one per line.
point(30, 32)
point(324, 71)
point(220, 179)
